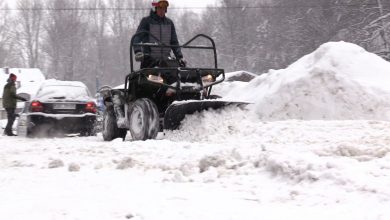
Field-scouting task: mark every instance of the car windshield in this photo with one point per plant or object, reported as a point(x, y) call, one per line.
point(63, 92)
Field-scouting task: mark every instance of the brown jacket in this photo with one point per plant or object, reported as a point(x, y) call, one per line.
point(9, 95)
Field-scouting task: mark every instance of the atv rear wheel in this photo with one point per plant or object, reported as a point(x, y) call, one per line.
point(143, 119)
point(110, 128)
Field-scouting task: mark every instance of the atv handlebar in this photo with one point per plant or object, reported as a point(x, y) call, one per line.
point(160, 44)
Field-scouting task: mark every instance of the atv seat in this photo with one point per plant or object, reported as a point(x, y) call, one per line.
point(149, 62)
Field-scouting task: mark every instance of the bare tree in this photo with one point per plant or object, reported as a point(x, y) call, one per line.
point(98, 20)
point(92, 44)
point(378, 27)
point(30, 18)
point(8, 57)
point(384, 25)
point(235, 28)
point(120, 29)
point(3, 34)
point(123, 22)
point(66, 33)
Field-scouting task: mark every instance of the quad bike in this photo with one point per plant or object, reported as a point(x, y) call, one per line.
point(158, 98)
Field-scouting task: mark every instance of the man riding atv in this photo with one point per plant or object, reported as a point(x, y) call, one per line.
point(163, 91)
point(164, 30)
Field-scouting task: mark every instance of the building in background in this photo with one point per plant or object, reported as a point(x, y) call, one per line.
point(27, 84)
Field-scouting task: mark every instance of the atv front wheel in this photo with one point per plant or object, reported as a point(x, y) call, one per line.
point(110, 128)
point(143, 119)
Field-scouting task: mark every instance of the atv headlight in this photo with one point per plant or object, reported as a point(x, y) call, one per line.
point(208, 79)
point(157, 79)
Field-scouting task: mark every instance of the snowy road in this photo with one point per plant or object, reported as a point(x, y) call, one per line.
point(247, 170)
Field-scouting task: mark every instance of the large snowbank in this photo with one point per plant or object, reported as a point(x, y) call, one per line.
point(337, 81)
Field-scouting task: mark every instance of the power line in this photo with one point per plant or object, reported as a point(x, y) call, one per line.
point(192, 8)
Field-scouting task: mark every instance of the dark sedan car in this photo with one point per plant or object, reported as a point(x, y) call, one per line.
point(59, 107)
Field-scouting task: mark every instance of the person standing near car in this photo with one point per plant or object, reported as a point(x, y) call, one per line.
point(164, 30)
point(9, 103)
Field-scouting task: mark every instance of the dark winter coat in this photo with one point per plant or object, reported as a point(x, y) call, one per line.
point(161, 28)
point(9, 95)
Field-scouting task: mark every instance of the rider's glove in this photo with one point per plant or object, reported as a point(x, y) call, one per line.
point(182, 62)
point(139, 56)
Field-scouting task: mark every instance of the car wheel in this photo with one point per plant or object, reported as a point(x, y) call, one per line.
point(89, 130)
point(110, 129)
point(143, 119)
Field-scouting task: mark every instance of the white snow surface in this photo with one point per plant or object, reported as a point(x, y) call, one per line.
point(268, 160)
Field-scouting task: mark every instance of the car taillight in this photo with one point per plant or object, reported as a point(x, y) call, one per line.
point(36, 106)
point(90, 107)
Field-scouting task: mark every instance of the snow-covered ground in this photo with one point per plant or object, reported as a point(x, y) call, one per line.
point(314, 144)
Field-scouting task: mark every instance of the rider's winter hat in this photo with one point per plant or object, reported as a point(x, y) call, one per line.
point(12, 77)
point(159, 3)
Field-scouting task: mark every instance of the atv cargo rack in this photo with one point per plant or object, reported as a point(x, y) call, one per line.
point(177, 73)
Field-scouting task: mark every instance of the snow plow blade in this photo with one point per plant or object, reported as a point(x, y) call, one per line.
point(176, 112)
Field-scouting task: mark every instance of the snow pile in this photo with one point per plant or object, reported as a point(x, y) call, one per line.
point(338, 81)
point(217, 126)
